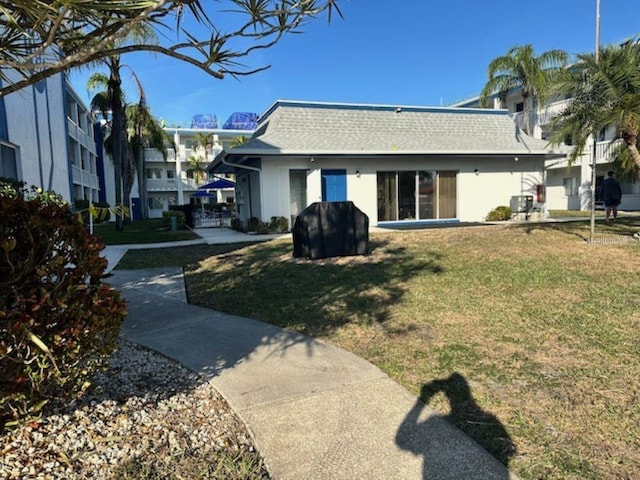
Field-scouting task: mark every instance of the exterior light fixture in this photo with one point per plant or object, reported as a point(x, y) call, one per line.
point(476, 171)
point(358, 173)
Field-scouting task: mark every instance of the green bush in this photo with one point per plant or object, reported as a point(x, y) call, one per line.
point(166, 218)
point(499, 214)
point(253, 224)
point(237, 225)
point(58, 321)
point(278, 225)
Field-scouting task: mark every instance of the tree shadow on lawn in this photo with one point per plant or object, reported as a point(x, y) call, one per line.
point(314, 297)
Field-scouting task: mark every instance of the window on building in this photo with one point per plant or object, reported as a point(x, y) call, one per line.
point(74, 152)
point(570, 185)
point(8, 163)
point(156, 203)
point(171, 174)
point(422, 195)
point(602, 134)
point(519, 107)
point(153, 173)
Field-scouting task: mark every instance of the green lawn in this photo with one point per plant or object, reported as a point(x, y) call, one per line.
point(143, 231)
point(543, 327)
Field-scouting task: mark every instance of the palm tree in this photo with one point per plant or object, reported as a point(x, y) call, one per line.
point(605, 93)
point(237, 141)
point(144, 132)
point(112, 102)
point(521, 69)
point(198, 168)
point(204, 140)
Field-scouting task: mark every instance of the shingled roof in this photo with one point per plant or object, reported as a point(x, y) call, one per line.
point(307, 128)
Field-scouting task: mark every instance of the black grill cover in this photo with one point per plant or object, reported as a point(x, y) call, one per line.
point(330, 229)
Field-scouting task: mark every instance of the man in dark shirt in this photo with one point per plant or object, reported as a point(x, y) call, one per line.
point(611, 194)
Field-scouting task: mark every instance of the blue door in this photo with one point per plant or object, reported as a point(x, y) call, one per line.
point(334, 185)
point(136, 209)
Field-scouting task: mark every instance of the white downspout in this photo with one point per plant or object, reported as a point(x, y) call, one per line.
point(176, 141)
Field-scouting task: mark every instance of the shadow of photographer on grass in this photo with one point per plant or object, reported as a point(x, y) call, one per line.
point(425, 433)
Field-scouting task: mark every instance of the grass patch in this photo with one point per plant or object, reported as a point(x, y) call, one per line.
point(525, 336)
point(143, 231)
point(574, 213)
point(173, 256)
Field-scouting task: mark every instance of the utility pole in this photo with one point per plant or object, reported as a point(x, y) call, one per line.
point(595, 137)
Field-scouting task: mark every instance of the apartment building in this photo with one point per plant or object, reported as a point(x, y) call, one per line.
point(173, 181)
point(48, 139)
point(567, 187)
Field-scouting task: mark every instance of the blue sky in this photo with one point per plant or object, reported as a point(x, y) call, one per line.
point(401, 52)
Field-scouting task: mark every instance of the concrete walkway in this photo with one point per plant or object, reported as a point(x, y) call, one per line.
point(209, 236)
point(315, 411)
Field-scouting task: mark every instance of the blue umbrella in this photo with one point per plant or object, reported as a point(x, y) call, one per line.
point(219, 183)
point(202, 194)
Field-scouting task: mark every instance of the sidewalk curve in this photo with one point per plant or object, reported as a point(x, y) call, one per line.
point(316, 411)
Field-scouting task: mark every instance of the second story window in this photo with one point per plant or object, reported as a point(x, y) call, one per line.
point(520, 107)
point(8, 163)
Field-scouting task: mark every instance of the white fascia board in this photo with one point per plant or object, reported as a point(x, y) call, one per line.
point(267, 153)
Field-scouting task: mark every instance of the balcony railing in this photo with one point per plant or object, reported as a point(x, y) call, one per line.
point(547, 113)
point(544, 116)
point(84, 178)
point(170, 184)
point(604, 150)
point(153, 155)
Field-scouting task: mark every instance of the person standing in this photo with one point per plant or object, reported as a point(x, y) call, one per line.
point(611, 195)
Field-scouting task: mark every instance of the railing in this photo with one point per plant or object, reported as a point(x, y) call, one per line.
point(545, 115)
point(604, 150)
point(84, 178)
point(604, 153)
point(166, 184)
point(153, 155)
point(162, 184)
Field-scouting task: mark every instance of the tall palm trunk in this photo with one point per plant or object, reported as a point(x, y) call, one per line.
point(140, 154)
point(630, 136)
point(117, 122)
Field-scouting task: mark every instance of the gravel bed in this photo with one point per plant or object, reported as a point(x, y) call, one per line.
point(148, 418)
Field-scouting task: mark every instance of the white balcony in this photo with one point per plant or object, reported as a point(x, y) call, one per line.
point(84, 178)
point(547, 113)
point(162, 184)
point(544, 116)
point(170, 184)
point(153, 155)
point(604, 152)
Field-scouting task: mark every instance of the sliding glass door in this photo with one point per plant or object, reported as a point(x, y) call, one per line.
point(421, 195)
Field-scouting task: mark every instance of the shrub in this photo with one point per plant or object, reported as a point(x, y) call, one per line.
point(166, 218)
point(58, 321)
point(499, 214)
point(278, 224)
point(253, 224)
point(237, 225)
